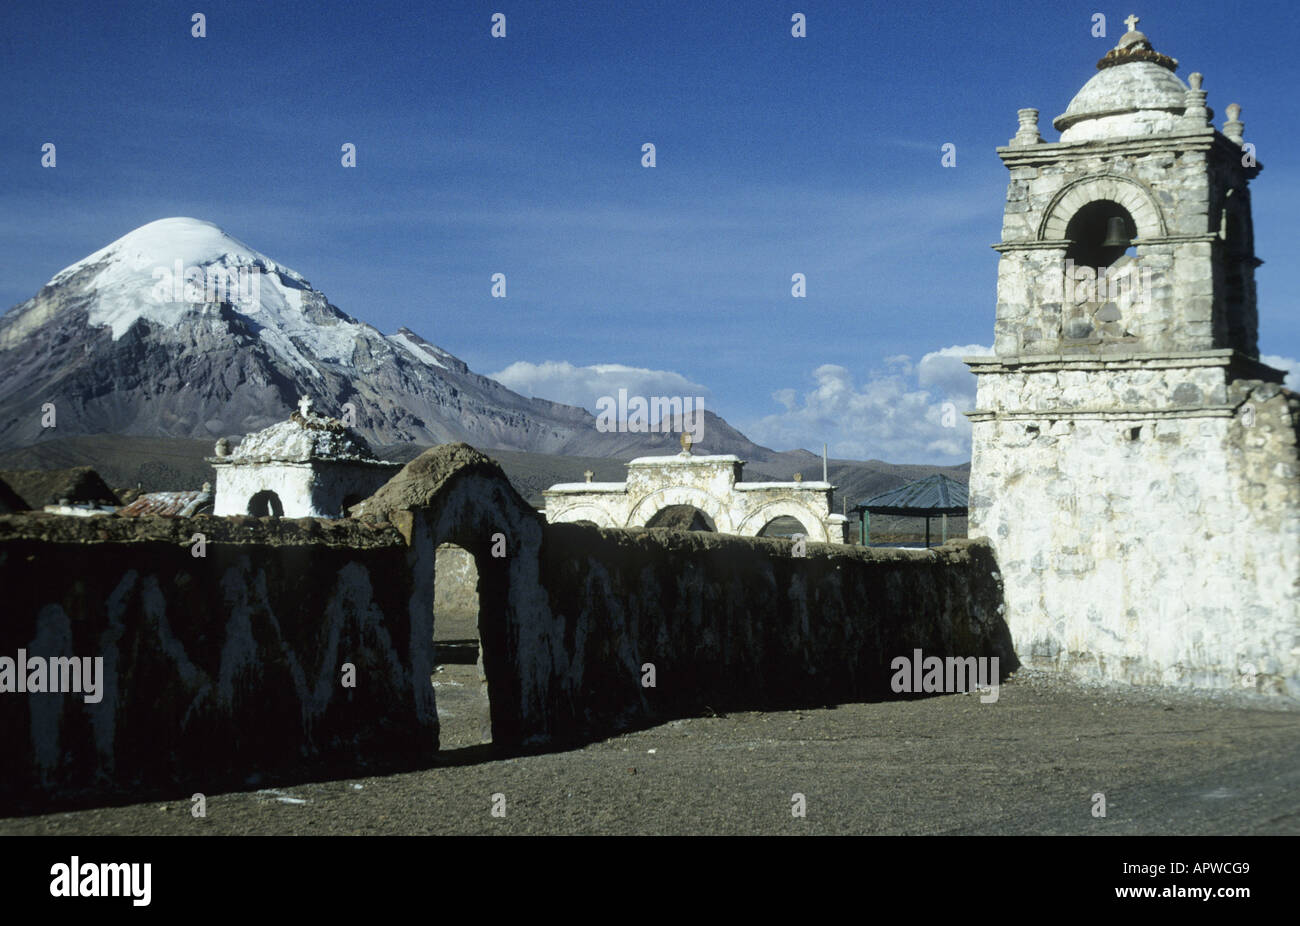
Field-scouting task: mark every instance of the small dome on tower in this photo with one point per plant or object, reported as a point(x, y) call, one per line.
point(1134, 92)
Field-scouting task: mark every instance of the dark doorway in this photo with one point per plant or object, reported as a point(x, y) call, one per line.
point(681, 518)
point(265, 504)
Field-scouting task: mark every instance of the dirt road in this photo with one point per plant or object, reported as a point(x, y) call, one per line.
point(1029, 763)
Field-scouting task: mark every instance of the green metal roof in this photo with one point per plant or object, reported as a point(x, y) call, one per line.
point(932, 495)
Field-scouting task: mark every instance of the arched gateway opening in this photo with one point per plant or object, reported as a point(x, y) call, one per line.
point(466, 526)
point(681, 518)
point(783, 527)
point(459, 681)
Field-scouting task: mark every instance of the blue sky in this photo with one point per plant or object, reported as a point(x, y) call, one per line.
point(522, 155)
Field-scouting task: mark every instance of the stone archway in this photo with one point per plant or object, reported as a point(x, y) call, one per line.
point(710, 484)
point(452, 494)
point(752, 525)
point(681, 517)
point(1136, 199)
point(462, 694)
point(597, 517)
point(650, 505)
point(783, 527)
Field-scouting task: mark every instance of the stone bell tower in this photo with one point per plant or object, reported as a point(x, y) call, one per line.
point(1134, 464)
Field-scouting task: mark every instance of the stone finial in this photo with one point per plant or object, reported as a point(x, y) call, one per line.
point(588, 474)
point(686, 443)
point(1027, 134)
point(1234, 127)
point(1194, 111)
point(223, 447)
point(1133, 38)
point(1135, 46)
point(207, 488)
point(798, 477)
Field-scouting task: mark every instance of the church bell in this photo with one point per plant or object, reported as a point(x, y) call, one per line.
point(1116, 236)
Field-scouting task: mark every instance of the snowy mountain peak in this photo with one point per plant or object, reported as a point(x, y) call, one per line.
point(183, 268)
point(194, 242)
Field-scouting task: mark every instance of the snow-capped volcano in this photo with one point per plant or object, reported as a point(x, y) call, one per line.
point(173, 268)
point(178, 329)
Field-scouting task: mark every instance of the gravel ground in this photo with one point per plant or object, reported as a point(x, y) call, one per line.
point(1029, 763)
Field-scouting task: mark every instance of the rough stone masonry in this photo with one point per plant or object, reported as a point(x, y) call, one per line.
point(1134, 464)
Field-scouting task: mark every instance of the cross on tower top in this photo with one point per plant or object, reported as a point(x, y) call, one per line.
point(1132, 22)
point(304, 403)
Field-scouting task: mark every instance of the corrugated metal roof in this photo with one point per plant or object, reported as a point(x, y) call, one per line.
point(937, 494)
point(167, 504)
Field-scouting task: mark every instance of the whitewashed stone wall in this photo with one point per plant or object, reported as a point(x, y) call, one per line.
point(710, 483)
point(1147, 540)
point(291, 482)
point(306, 490)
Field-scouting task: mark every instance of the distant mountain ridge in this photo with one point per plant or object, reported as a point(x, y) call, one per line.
point(137, 339)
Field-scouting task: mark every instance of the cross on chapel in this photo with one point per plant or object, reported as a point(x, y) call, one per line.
point(304, 403)
point(1132, 22)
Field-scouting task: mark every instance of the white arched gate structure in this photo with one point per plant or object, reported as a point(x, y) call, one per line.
point(710, 484)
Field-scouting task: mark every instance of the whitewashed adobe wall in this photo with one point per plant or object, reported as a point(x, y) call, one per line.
point(306, 490)
point(291, 482)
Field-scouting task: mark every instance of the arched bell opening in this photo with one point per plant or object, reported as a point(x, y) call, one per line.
point(1099, 234)
point(1102, 283)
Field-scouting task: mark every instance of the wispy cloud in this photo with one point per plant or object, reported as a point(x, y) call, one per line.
point(904, 412)
point(561, 381)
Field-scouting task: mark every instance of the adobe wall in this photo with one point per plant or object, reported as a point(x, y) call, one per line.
point(216, 668)
point(227, 667)
point(739, 623)
point(572, 613)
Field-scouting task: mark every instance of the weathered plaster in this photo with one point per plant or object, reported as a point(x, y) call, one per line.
point(712, 484)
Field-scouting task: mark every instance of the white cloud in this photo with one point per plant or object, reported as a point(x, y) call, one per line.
point(943, 369)
point(906, 411)
point(561, 381)
point(1290, 364)
point(897, 415)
